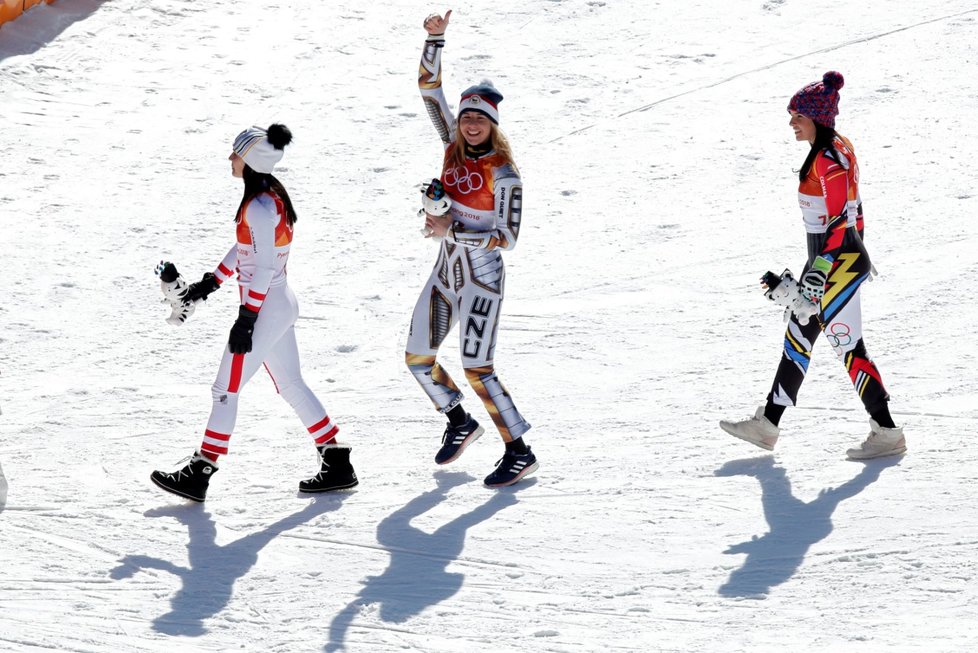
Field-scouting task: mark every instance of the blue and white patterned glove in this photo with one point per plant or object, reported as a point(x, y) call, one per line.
point(813, 281)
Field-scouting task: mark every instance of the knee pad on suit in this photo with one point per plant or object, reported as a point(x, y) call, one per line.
point(435, 381)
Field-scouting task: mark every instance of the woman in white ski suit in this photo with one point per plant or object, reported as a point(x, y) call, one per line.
point(264, 333)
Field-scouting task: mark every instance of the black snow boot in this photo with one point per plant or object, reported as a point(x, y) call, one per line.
point(336, 472)
point(189, 482)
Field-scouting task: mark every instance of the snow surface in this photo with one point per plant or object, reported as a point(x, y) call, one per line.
point(658, 167)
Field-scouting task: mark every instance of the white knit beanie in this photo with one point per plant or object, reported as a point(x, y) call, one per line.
point(253, 146)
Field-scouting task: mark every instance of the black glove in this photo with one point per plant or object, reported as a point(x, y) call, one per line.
point(239, 342)
point(200, 289)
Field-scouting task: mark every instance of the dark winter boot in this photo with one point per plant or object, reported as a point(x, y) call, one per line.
point(189, 482)
point(456, 439)
point(511, 468)
point(336, 473)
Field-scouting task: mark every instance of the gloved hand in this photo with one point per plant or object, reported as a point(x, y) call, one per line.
point(813, 285)
point(239, 341)
point(201, 289)
point(813, 281)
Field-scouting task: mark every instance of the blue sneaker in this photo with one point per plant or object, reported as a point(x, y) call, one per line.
point(456, 439)
point(511, 468)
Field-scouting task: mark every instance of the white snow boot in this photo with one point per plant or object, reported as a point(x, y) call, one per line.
point(757, 430)
point(881, 442)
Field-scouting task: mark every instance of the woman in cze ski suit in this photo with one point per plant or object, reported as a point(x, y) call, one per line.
point(829, 288)
point(466, 285)
point(264, 332)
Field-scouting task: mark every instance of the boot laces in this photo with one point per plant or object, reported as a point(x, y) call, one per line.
point(186, 470)
point(450, 431)
point(509, 458)
point(324, 468)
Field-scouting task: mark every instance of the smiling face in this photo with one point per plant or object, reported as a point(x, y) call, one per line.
point(237, 165)
point(475, 127)
point(803, 126)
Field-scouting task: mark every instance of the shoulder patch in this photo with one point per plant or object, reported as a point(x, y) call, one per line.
point(505, 171)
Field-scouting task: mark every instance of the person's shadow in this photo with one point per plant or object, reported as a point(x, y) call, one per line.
point(209, 581)
point(416, 577)
point(3, 489)
point(795, 525)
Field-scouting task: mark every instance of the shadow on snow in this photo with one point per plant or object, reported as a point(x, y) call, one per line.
point(42, 25)
point(795, 525)
point(209, 581)
point(3, 489)
point(416, 577)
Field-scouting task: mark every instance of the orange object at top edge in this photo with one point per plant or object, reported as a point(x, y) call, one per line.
point(10, 9)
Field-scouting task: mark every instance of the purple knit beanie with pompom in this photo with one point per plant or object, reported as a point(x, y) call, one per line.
point(819, 100)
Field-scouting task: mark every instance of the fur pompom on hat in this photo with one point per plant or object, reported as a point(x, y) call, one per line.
point(484, 98)
point(819, 100)
point(261, 148)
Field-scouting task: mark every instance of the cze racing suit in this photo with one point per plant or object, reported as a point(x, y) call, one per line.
point(466, 286)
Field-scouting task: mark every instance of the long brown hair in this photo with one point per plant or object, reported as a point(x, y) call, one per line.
point(497, 141)
point(256, 183)
point(824, 141)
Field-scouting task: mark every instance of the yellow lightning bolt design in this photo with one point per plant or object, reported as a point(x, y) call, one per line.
point(841, 277)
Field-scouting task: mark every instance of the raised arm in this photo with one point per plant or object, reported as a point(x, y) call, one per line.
point(429, 77)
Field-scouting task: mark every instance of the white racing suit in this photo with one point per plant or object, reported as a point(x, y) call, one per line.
point(260, 254)
point(466, 286)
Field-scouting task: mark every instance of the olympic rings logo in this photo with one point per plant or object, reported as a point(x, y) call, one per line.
point(466, 183)
point(839, 335)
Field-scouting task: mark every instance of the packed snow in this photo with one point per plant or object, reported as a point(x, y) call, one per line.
point(660, 183)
